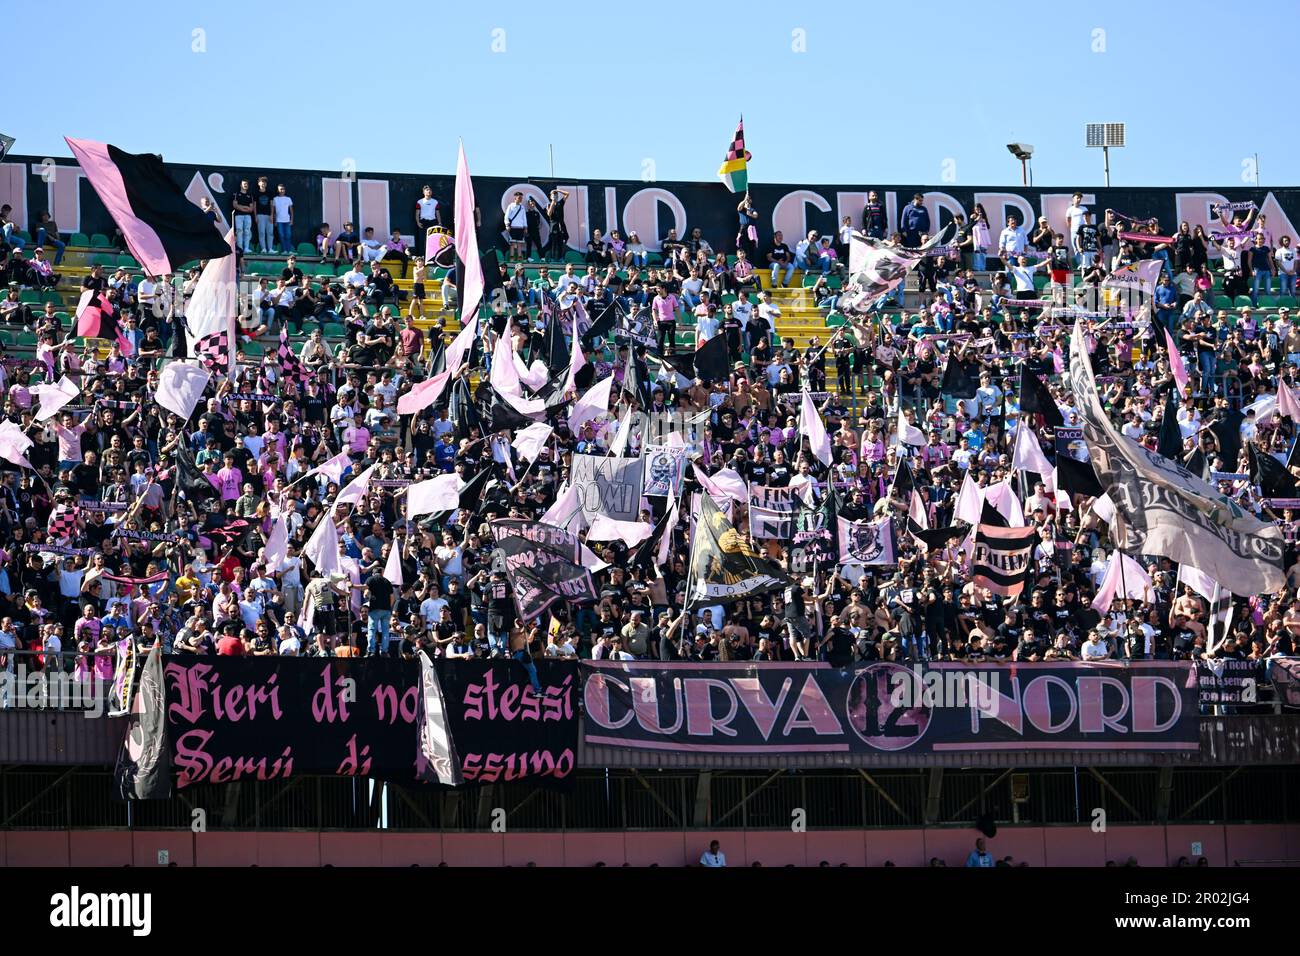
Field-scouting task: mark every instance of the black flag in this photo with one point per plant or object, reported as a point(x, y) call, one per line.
point(1270, 474)
point(1036, 399)
point(988, 516)
point(603, 324)
point(934, 538)
point(904, 482)
point(1171, 436)
point(724, 566)
point(544, 565)
point(711, 360)
point(193, 482)
point(958, 380)
point(144, 763)
point(1077, 477)
point(1227, 433)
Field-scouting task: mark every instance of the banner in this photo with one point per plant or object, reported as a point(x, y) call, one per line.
point(935, 708)
point(664, 467)
point(1002, 556)
point(815, 543)
point(771, 512)
point(1167, 511)
point(724, 567)
point(143, 770)
point(1227, 681)
point(544, 565)
point(867, 542)
point(637, 327)
point(608, 486)
point(268, 718)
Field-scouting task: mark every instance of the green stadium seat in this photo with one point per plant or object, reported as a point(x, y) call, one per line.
point(252, 349)
point(1270, 301)
point(63, 317)
point(79, 239)
point(574, 256)
point(102, 259)
point(306, 249)
point(127, 262)
point(100, 241)
point(49, 295)
point(30, 296)
point(1222, 302)
point(334, 330)
point(25, 339)
point(1242, 301)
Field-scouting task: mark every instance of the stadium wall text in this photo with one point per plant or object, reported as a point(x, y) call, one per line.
point(386, 201)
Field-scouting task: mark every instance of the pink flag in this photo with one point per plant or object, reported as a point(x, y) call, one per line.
point(334, 468)
point(1027, 454)
point(665, 543)
point(504, 376)
point(277, 543)
point(631, 533)
point(566, 510)
point(916, 510)
point(1176, 363)
point(355, 489)
point(393, 569)
point(180, 387)
point(535, 375)
point(814, 429)
point(14, 443)
point(1287, 403)
point(54, 397)
point(576, 359)
point(1124, 578)
point(469, 268)
point(909, 433)
point(1003, 498)
point(530, 441)
point(591, 405)
point(426, 393)
point(436, 494)
point(725, 484)
point(323, 546)
point(970, 501)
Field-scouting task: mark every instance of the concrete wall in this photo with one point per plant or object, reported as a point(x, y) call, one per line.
point(1037, 846)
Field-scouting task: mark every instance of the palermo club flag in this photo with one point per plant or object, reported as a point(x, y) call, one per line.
point(143, 769)
point(867, 542)
point(1002, 556)
point(436, 759)
point(724, 566)
point(734, 171)
point(1168, 510)
point(162, 228)
point(211, 313)
point(544, 564)
point(469, 265)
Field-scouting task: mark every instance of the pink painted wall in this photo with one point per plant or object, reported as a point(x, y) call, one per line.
point(1037, 846)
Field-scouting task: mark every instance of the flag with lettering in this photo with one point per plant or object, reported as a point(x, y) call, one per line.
point(544, 564)
point(1003, 558)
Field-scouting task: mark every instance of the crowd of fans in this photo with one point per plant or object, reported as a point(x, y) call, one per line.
point(192, 573)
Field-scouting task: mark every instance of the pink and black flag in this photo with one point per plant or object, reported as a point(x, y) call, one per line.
point(97, 319)
point(163, 229)
point(291, 366)
point(469, 264)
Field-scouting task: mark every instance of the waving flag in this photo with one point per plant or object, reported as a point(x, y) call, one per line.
point(14, 443)
point(211, 312)
point(426, 393)
point(436, 494)
point(54, 396)
point(470, 265)
point(180, 387)
point(1176, 364)
point(1027, 454)
point(291, 366)
point(812, 427)
point(734, 171)
point(162, 228)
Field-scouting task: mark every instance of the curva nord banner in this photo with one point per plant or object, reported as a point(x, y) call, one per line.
point(386, 201)
point(935, 708)
point(272, 718)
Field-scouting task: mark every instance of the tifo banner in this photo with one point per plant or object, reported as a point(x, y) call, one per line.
point(385, 201)
point(664, 467)
point(272, 718)
point(607, 486)
point(1001, 559)
point(771, 512)
point(748, 708)
point(1228, 681)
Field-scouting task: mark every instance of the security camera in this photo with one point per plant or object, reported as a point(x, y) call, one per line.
point(1020, 150)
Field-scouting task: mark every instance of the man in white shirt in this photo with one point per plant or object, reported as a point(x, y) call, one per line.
point(1075, 214)
point(713, 857)
point(1012, 240)
point(1095, 647)
point(1023, 273)
point(706, 324)
point(354, 278)
point(742, 308)
point(768, 310)
point(989, 397)
point(372, 250)
point(517, 225)
point(282, 214)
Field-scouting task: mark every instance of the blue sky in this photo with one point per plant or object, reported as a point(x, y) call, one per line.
point(297, 84)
